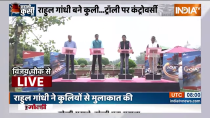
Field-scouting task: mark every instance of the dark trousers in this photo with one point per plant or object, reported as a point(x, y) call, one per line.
point(124, 60)
point(67, 63)
point(94, 63)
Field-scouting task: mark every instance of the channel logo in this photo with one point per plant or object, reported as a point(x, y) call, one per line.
point(187, 9)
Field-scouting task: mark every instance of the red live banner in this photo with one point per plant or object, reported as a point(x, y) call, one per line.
point(31, 81)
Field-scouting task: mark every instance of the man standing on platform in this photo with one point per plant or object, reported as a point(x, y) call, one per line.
point(97, 44)
point(153, 44)
point(70, 44)
point(124, 58)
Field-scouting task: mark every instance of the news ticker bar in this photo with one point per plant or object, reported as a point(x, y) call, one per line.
point(50, 106)
point(68, 108)
point(106, 98)
point(106, 10)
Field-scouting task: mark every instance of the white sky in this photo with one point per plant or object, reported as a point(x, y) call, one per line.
point(169, 32)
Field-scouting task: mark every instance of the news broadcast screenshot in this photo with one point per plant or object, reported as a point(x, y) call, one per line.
point(104, 58)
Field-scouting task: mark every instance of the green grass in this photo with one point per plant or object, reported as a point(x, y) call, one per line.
point(186, 90)
point(181, 90)
point(20, 90)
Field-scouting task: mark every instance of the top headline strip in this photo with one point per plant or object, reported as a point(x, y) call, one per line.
point(16, 9)
point(96, 9)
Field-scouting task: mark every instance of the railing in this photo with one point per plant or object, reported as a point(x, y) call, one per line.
point(139, 70)
point(112, 73)
point(89, 66)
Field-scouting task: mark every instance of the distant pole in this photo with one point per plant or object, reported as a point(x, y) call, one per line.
point(18, 30)
point(15, 47)
point(113, 69)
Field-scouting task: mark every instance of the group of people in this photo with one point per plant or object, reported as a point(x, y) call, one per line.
point(124, 58)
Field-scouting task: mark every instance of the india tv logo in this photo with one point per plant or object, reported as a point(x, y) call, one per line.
point(16, 9)
point(187, 10)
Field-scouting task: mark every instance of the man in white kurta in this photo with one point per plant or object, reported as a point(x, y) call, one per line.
point(151, 45)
